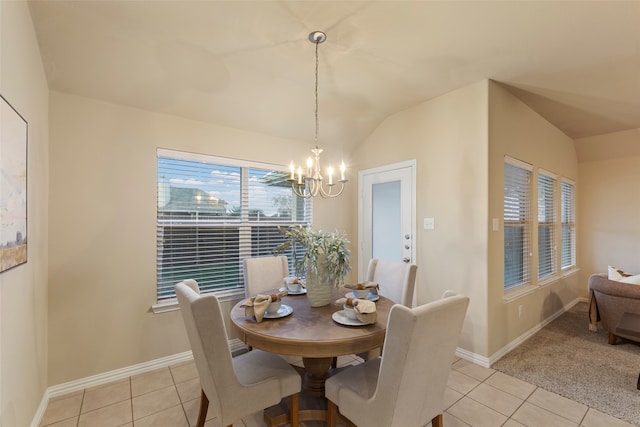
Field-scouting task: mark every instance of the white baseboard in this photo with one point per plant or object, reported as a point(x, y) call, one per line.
point(488, 361)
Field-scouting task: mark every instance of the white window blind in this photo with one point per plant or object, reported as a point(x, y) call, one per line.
point(547, 223)
point(517, 223)
point(214, 212)
point(567, 200)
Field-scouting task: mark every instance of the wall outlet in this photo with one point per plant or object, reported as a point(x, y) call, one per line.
point(429, 223)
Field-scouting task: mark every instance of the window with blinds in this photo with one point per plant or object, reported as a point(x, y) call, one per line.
point(517, 219)
point(547, 224)
point(568, 220)
point(214, 212)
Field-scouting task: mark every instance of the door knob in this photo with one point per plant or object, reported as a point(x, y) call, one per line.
point(406, 259)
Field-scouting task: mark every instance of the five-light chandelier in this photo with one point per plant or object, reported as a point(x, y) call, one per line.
point(308, 182)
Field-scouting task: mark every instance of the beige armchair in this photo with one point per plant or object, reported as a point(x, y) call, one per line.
point(264, 273)
point(405, 387)
point(238, 386)
point(397, 280)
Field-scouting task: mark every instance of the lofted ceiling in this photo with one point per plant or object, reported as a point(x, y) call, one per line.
point(249, 64)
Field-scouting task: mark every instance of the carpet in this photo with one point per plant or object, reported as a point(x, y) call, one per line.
point(566, 359)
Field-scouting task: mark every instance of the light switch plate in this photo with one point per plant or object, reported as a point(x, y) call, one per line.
point(429, 223)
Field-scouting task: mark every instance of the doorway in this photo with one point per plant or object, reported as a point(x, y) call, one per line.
point(386, 209)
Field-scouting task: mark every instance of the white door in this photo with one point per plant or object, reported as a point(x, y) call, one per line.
point(386, 212)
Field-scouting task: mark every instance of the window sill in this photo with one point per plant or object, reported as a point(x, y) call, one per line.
point(519, 292)
point(172, 304)
point(569, 271)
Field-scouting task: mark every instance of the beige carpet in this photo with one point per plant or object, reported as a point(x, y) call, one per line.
point(567, 359)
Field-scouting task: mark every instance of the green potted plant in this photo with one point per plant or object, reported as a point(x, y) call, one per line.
point(324, 264)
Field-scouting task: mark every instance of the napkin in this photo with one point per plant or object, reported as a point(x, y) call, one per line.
point(257, 306)
point(365, 309)
point(372, 286)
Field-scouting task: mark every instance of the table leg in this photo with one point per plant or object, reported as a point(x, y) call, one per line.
point(317, 372)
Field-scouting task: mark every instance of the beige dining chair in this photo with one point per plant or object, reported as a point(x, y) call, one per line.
point(264, 273)
point(397, 280)
point(405, 387)
point(235, 386)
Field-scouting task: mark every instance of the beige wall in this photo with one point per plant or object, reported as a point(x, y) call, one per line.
point(518, 131)
point(23, 289)
point(102, 216)
point(609, 203)
point(447, 137)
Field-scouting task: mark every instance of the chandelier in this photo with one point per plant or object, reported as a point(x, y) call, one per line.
point(309, 182)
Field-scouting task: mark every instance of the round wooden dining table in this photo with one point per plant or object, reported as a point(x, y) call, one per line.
point(311, 333)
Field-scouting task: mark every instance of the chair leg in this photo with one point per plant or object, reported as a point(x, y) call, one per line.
point(332, 414)
point(204, 406)
point(612, 339)
point(293, 409)
point(334, 362)
point(437, 421)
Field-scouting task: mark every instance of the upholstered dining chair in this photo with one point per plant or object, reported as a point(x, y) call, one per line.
point(235, 386)
point(405, 387)
point(264, 273)
point(397, 280)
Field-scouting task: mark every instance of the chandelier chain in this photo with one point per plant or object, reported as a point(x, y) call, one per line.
point(316, 94)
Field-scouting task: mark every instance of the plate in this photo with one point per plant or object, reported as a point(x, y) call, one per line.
point(370, 296)
point(283, 311)
point(300, 292)
point(341, 318)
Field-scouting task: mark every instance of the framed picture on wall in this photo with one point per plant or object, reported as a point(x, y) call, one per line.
point(13, 187)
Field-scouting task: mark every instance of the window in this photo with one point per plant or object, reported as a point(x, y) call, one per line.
point(547, 223)
point(568, 257)
point(214, 212)
point(517, 229)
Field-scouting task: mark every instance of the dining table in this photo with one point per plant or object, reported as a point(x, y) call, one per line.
point(317, 335)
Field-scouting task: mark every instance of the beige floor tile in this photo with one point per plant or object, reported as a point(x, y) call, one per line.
point(192, 408)
point(105, 396)
point(109, 416)
point(451, 421)
point(451, 396)
point(476, 414)
point(189, 390)
point(573, 411)
point(597, 419)
point(495, 399)
point(69, 422)
point(110, 383)
point(62, 409)
point(66, 396)
point(471, 369)
point(532, 415)
point(346, 361)
point(173, 417)
point(184, 372)
point(150, 381)
point(155, 401)
point(291, 360)
point(513, 423)
point(461, 383)
point(511, 385)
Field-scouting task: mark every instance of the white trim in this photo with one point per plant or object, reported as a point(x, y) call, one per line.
point(528, 334)
point(96, 380)
point(519, 163)
point(568, 180)
point(518, 292)
point(548, 174)
point(473, 358)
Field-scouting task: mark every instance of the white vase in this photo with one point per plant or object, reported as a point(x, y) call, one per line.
point(319, 290)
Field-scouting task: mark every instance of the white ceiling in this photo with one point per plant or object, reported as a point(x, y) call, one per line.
point(249, 64)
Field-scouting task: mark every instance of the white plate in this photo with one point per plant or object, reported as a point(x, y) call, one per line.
point(300, 292)
point(283, 311)
point(370, 296)
point(341, 317)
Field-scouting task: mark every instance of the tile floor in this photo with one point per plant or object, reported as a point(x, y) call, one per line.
point(170, 397)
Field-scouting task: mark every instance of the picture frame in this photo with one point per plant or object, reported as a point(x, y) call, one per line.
point(13, 187)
